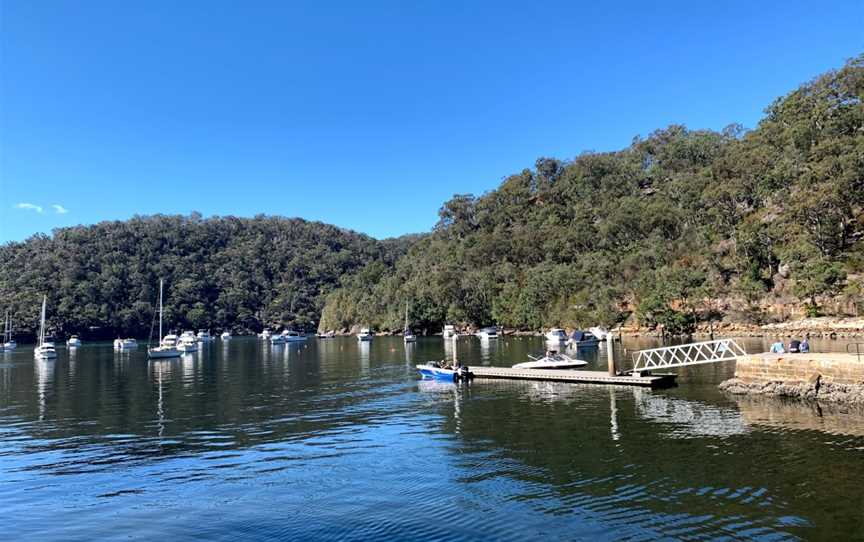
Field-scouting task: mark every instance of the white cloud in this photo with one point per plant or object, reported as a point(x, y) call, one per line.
point(59, 209)
point(30, 207)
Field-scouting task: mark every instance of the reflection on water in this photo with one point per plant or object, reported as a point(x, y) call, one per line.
point(342, 441)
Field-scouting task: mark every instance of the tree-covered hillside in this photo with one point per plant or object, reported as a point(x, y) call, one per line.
point(680, 226)
point(220, 273)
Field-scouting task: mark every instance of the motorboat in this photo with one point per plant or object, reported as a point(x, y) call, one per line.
point(45, 349)
point(552, 360)
point(437, 370)
point(292, 336)
point(73, 341)
point(187, 343)
point(599, 332)
point(278, 338)
point(581, 339)
point(226, 335)
point(488, 333)
point(449, 331)
point(556, 335)
point(168, 346)
point(125, 344)
point(265, 334)
point(327, 335)
point(365, 335)
point(8, 343)
point(204, 336)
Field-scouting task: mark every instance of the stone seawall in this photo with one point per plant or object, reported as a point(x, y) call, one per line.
point(829, 377)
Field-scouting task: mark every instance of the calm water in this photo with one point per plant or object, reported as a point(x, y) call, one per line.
point(339, 440)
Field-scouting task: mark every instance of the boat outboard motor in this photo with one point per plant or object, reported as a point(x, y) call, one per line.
point(464, 374)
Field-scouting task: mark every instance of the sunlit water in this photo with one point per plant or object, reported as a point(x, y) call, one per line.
point(339, 440)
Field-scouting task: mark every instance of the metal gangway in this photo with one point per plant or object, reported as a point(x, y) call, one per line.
point(683, 355)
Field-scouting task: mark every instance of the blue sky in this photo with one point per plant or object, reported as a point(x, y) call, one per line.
point(367, 115)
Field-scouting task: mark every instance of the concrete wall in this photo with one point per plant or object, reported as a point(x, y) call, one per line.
point(831, 368)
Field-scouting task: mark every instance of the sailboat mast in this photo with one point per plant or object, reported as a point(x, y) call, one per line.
point(406, 315)
point(160, 311)
point(42, 321)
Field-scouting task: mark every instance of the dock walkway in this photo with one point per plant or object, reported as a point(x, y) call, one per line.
point(586, 377)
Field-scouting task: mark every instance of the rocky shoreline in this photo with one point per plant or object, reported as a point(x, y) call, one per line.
point(806, 391)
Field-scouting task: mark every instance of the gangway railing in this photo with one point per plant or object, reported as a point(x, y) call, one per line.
point(683, 355)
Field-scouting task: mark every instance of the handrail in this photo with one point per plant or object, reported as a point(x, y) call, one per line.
point(858, 350)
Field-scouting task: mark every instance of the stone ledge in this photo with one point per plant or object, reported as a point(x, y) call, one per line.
point(808, 391)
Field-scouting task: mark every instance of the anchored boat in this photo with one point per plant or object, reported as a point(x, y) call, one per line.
point(552, 360)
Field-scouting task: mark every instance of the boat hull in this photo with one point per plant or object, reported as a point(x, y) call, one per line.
point(154, 353)
point(439, 373)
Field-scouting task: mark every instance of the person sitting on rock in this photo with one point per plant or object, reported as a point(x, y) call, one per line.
point(794, 346)
point(777, 348)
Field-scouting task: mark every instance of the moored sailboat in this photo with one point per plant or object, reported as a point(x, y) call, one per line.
point(163, 350)
point(45, 349)
point(408, 335)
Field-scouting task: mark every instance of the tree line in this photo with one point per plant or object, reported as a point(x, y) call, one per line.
point(681, 226)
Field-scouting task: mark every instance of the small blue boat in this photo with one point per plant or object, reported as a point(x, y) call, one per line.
point(434, 370)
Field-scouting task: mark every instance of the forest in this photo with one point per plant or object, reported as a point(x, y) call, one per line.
point(681, 227)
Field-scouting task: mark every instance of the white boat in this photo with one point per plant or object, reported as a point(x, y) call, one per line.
point(556, 335)
point(277, 339)
point(45, 349)
point(73, 341)
point(169, 340)
point(552, 360)
point(204, 336)
point(187, 342)
point(408, 335)
point(580, 339)
point(449, 331)
point(163, 350)
point(599, 332)
point(291, 336)
point(265, 334)
point(125, 344)
point(365, 335)
point(8, 343)
point(488, 333)
point(226, 335)
point(327, 335)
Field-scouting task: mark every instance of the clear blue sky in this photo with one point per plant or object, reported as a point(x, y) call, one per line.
point(368, 115)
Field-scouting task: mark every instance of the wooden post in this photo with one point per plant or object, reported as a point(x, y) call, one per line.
point(455, 336)
point(610, 353)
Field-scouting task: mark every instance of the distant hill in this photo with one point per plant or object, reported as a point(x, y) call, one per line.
point(220, 273)
point(679, 227)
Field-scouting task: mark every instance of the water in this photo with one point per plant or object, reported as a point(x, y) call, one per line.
point(339, 440)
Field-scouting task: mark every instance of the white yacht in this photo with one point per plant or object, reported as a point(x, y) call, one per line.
point(8, 343)
point(365, 335)
point(187, 342)
point(204, 336)
point(556, 335)
point(45, 349)
point(277, 338)
point(164, 350)
point(552, 360)
point(488, 333)
point(292, 336)
point(449, 331)
point(125, 344)
point(226, 335)
point(73, 341)
point(265, 334)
